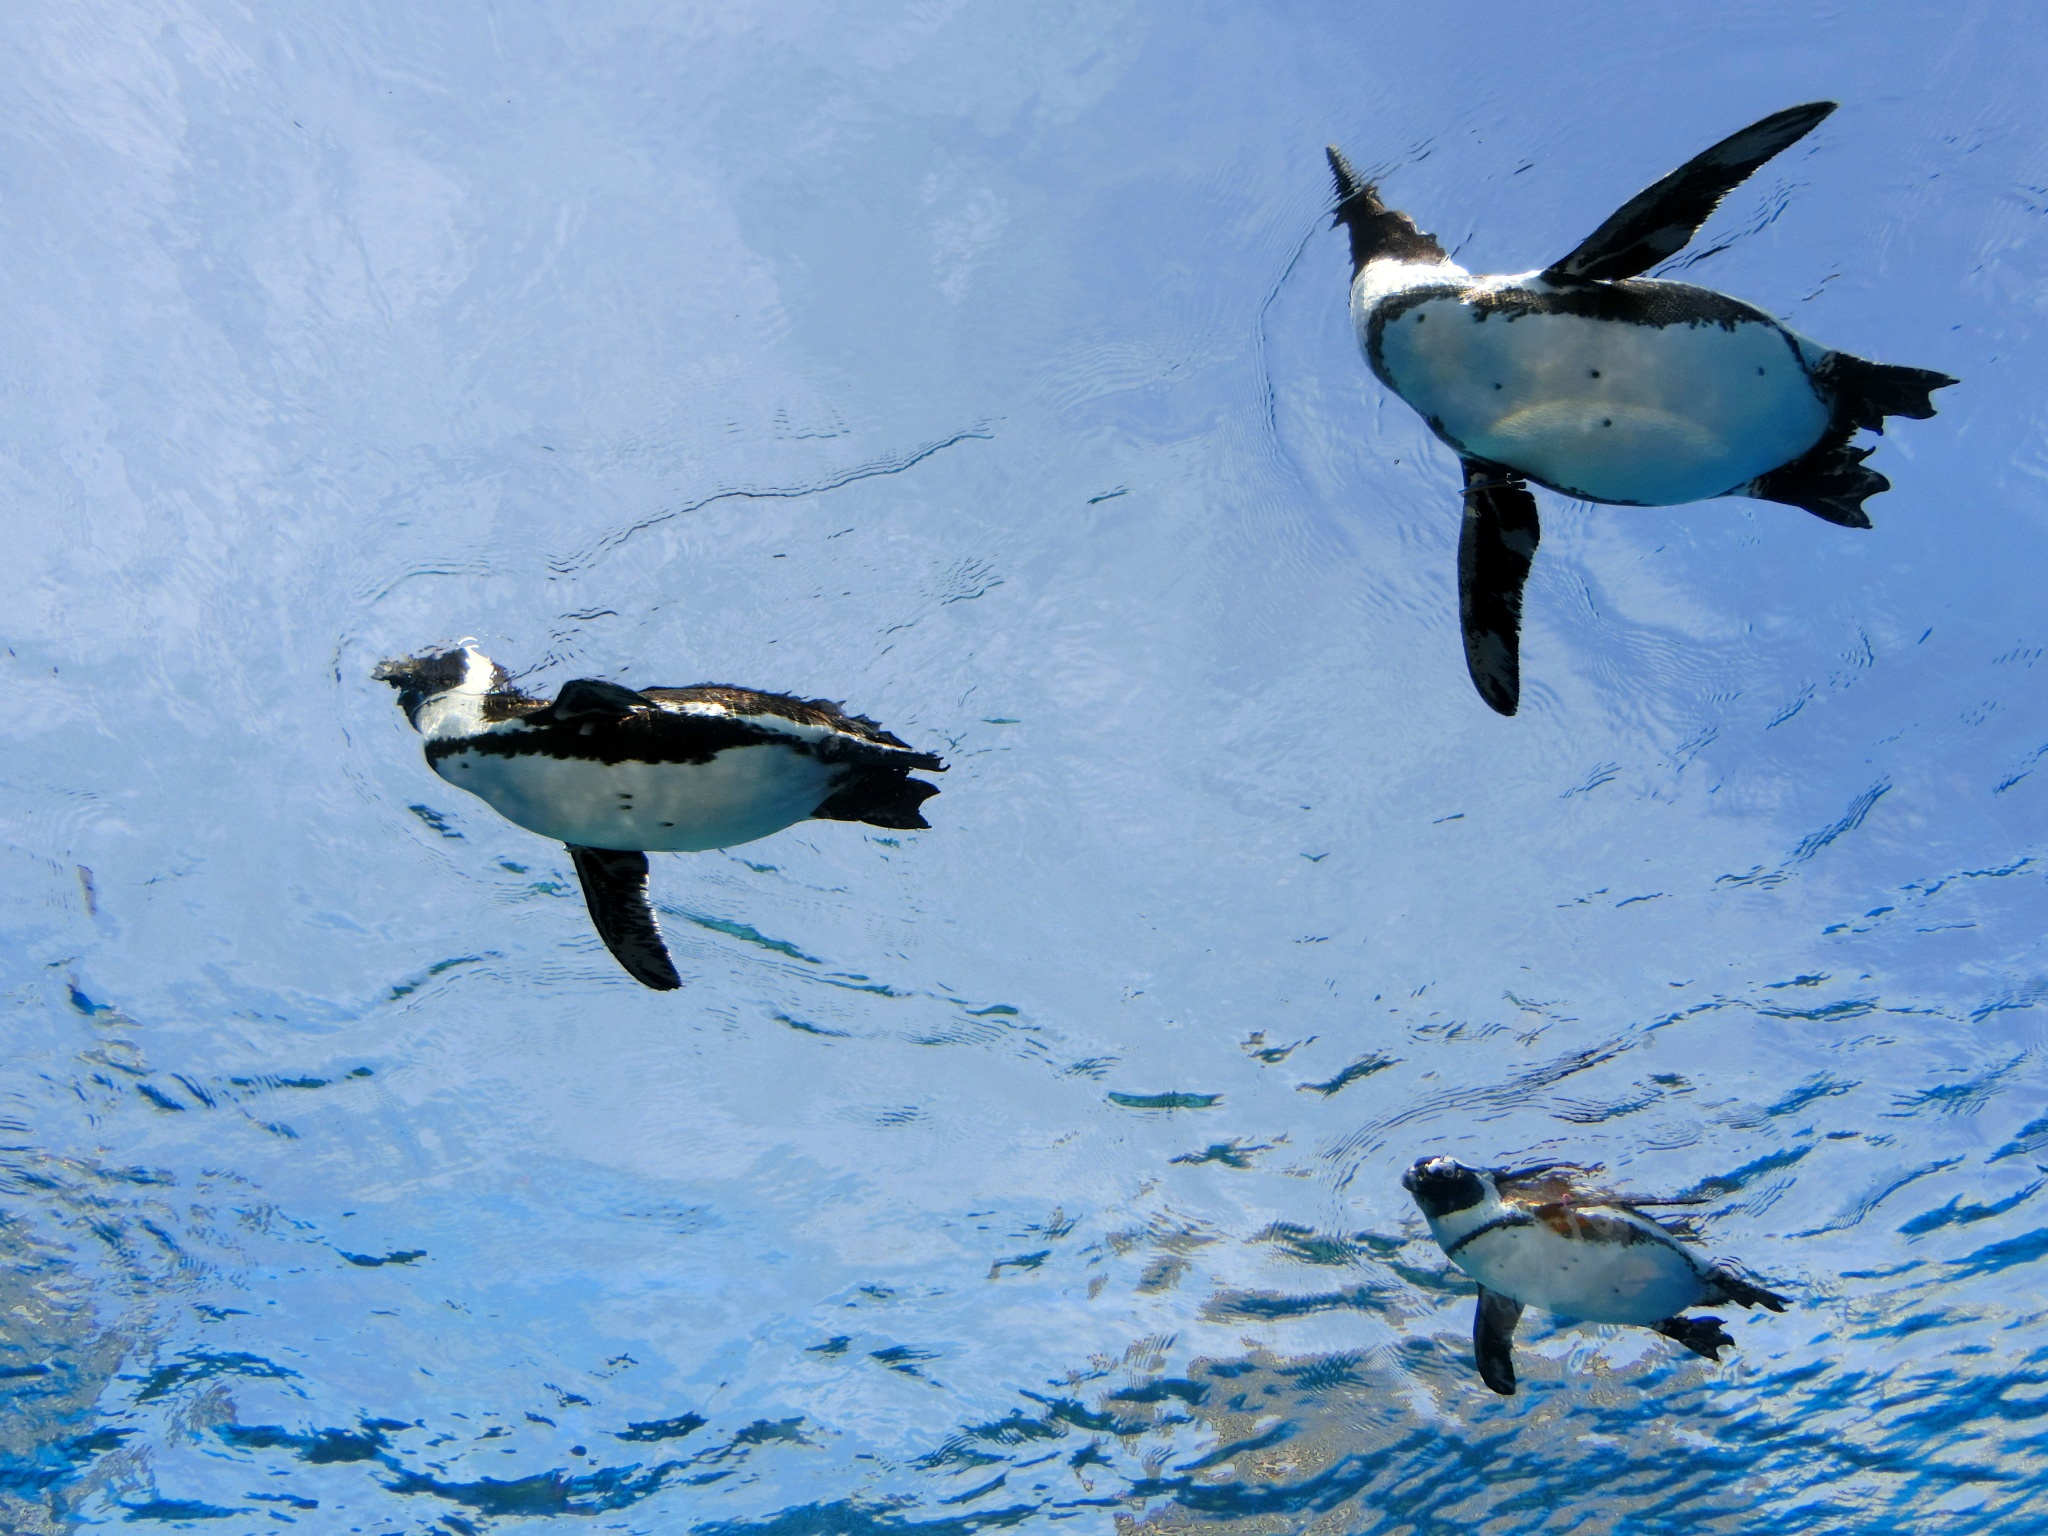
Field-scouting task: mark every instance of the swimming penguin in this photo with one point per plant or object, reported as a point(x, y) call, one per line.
point(1538, 1238)
point(617, 773)
point(1598, 384)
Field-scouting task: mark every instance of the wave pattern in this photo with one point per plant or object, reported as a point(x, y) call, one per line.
point(989, 369)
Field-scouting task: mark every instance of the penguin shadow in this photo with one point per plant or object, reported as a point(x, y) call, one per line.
point(1332, 1441)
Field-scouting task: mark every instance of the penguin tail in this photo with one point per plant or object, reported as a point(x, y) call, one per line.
point(1829, 480)
point(1701, 1335)
point(1729, 1286)
point(881, 797)
point(1865, 392)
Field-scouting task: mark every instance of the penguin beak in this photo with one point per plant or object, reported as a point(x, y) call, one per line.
point(1443, 1184)
point(419, 678)
point(1432, 1171)
point(429, 667)
point(1356, 197)
point(1376, 230)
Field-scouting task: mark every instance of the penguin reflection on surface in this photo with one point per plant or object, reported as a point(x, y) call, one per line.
point(1538, 1237)
point(616, 773)
point(1602, 385)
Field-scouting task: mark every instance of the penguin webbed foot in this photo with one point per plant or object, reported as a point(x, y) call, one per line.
point(1865, 392)
point(881, 797)
point(1830, 482)
point(1701, 1335)
point(1744, 1293)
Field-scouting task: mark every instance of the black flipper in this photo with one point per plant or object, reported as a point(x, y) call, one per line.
point(615, 890)
point(1504, 1178)
point(1658, 220)
point(591, 698)
point(881, 797)
point(1493, 1340)
point(1830, 482)
point(1701, 1335)
point(1495, 550)
point(1744, 1293)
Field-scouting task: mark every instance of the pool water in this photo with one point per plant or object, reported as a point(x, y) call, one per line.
point(988, 368)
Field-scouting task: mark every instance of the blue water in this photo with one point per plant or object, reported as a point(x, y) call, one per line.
point(987, 367)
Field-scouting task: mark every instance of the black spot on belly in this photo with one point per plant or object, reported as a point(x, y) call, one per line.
point(1606, 421)
point(1496, 386)
point(1594, 371)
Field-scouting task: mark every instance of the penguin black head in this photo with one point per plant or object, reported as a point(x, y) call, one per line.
point(1442, 1185)
point(419, 678)
point(1377, 232)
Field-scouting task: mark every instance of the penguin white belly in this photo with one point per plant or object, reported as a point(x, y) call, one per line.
point(1598, 1282)
point(1612, 410)
point(742, 794)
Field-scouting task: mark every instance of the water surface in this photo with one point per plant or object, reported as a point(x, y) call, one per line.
point(988, 368)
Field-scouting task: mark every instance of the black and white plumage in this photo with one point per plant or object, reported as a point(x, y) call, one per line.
point(1541, 1237)
point(1599, 384)
point(616, 773)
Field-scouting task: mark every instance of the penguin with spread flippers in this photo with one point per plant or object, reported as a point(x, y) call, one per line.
point(1542, 1237)
point(1600, 384)
point(617, 773)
